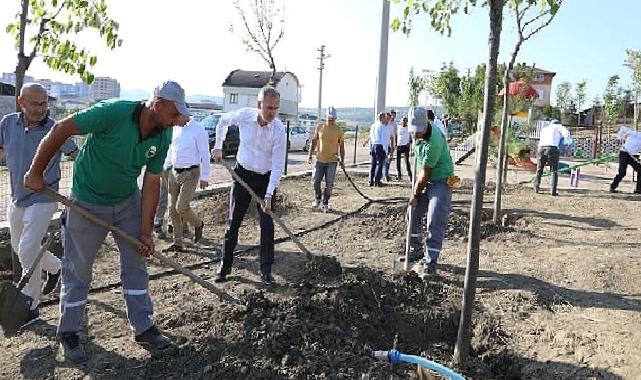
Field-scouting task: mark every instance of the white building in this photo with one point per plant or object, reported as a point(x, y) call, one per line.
point(307, 120)
point(11, 78)
point(104, 88)
point(241, 88)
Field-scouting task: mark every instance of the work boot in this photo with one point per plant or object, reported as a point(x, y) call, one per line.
point(52, 282)
point(222, 273)
point(198, 232)
point(152, 338)
point(71, 347)
point(267, 279)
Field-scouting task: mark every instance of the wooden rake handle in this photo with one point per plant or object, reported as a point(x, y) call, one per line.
point(135, 242)
point(256, 198)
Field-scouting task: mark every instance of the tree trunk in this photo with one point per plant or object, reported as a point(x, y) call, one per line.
point(501, 152)
point(463, 338)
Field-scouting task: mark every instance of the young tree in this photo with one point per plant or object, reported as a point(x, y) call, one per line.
point(43, 28)
point(564, 96)
point(580, 95)
point(633, 62)
point(261, 32)
point(447, 86)
point(416, 85)
point(440, 13)
point(612, 102)
point(530, 19)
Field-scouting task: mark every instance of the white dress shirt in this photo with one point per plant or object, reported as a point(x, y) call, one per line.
point(261, 149)
point(632, 139)
point(379, 134)
point(402, 136)
point(391, 129)
point(441, 127)
point(552, 133)
point(189, 147)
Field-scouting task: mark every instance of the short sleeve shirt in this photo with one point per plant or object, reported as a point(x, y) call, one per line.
point(329, 139)
point(20, 145)
point(435, 154)
point(107, 168)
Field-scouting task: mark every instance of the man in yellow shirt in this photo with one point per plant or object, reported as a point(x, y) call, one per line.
point(328, 138)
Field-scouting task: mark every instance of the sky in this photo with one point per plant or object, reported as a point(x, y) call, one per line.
point(190, 41)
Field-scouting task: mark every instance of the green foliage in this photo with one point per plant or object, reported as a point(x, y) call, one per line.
point(49, 25)
point(564, 96)
point(416, 86)
point(633, 62)
point(446, 86)
point(612, 101)
point(580, 95)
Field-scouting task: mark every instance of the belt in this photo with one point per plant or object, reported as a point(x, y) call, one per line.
point(180, 170)
point(241, 168)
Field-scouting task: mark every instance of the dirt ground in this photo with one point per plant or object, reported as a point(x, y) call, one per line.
point(559, 297)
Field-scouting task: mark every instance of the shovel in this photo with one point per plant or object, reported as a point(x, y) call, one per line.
point(117, 231)
point(15, 306)
point(278, 220)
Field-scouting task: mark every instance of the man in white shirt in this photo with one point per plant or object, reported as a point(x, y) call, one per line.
point(630, 148)
point(403, 147)
point(189, 158)
point(437, 123)
point(260, 163)
point(379, 143)
point(548, 152)
point(391, 129)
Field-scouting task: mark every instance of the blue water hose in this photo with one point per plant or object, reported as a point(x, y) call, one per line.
point(394, 356)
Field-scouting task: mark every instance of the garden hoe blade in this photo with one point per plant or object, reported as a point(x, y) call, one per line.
point(14, 305)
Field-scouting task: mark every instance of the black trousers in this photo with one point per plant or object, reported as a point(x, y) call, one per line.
point(403, 149)
point(547, 155)
point(239, 201)
point(624, 160)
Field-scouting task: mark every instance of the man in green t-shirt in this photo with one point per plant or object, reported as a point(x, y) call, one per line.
point(122, 138)
point(431, 193)
point(328, 137)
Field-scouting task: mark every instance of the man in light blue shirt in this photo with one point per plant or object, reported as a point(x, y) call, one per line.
point(29, 213)
point(379, 140)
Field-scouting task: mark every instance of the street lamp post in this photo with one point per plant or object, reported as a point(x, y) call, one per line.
point(321, 66)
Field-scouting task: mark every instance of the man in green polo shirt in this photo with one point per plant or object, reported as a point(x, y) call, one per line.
point(432, 193)
point(122, 138)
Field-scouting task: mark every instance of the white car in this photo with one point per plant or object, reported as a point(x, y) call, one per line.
point(299, 139)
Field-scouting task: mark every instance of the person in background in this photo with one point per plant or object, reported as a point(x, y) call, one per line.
point(630, 148)
point(29, 213)
point(403, 147)
point(189, 159)
point(391, 130)
point(379, 143)
point(548, 153)
point(328, 137)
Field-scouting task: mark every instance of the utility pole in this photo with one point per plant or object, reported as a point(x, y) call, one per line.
point(321, 66)
point(382, 61)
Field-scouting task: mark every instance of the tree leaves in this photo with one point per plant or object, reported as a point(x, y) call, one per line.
point(59, 21)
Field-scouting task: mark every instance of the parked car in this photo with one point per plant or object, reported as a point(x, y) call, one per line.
point(299, 139)
point(232, 139)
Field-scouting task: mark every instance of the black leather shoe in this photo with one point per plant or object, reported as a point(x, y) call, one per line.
point(175, 247)
point(267, 279)
point(198, 232)
point(222, 273)
point(152, 338)
point(52, 282)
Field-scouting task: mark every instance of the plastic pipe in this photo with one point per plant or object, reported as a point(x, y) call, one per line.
point(394, 356)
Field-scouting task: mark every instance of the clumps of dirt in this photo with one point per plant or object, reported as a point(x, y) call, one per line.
point(458, 225)
point(322, 267)
point(324, 330)
point(216, 207)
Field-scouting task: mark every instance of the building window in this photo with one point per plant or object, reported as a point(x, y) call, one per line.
point(538, 78)
point(233, 98)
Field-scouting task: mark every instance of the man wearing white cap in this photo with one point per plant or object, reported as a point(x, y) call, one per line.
point(432, 194)
point(122, 138)
point(328, 138)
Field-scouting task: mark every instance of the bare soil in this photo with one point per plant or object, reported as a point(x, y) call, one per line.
point(559, 296)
